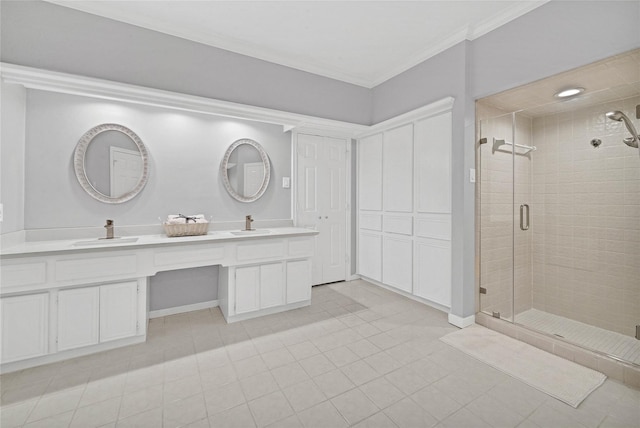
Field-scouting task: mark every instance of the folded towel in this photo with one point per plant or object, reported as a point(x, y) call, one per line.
point(182, 219)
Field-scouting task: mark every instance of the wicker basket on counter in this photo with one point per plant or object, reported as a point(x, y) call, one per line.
point(186, 229)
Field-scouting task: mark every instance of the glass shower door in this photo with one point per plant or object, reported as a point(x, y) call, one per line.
point(496, 177)
point(523, 227)
point(505, 153)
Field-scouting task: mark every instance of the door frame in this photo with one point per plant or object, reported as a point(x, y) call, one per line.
point(348, 184)
point(112, 178)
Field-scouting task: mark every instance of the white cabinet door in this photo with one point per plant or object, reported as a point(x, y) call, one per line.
point(370, 255)
point(24, 326)
point(433, 270)
point(433, 164)
point(118, 310)
point(247, 288)
point(398, 169)
point(78, 317)
point(397, 256)
point(272, 285)
point(298, 281)
point(370, 173)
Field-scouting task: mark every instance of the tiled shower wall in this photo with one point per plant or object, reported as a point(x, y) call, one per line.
point(500, 266)
point(585, 218)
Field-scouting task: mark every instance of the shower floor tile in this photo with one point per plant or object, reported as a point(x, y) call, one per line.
point(588, 336)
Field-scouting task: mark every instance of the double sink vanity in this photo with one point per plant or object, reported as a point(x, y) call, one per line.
point(65, 298)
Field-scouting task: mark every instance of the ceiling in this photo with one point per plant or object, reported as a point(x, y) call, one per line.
point(359, 42)
point(614, 78)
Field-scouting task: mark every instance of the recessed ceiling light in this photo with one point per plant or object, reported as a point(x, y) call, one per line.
point(569, 92)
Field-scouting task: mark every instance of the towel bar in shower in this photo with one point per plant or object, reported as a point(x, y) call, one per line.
point(497, 143)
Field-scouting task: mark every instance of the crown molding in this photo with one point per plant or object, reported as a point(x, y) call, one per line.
point(34, 78)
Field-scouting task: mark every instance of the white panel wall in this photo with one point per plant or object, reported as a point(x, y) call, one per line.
point(405, 241)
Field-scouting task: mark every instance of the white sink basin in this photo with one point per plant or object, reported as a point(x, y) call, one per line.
point(251, 232)
point(104, 241)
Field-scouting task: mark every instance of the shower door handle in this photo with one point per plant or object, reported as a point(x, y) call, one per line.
point(524, 216)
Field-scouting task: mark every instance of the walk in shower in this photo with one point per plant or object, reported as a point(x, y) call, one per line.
point(559, 207)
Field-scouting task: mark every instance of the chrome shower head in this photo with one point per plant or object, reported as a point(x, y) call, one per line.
point(615, 115)
point(621, 117)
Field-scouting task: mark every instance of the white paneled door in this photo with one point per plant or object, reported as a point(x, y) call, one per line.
point(321, 202)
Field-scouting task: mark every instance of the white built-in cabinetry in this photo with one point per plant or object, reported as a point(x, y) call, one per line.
point(25, 326)
point(58, 301)
point(97, 314)
point(78, 317)
point(404, 204)
point(263, 289)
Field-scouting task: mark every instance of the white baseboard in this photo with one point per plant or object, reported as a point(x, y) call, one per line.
point(461, 322)
point(182, 309)
point(72, 353)
point(422, 300)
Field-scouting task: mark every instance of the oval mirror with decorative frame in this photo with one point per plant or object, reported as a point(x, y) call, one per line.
point(111, 163)
point(245, 170)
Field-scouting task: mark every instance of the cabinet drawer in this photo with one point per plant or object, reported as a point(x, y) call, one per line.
point(258, 251)
point(205, 255)
point(402, 225)
point(371, 221)
point(301, 247)
point(17, 275)
point(95, 268)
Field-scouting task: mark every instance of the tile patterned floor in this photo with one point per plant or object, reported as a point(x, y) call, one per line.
point(358, 356)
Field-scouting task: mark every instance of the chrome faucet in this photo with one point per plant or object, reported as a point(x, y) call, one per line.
point(109, 227)
point(247, 222)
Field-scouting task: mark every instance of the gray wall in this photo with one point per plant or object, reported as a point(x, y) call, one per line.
point(185, 151)
point(556, 37)
point(12, 117)
point(183, 287)
point(48, 36)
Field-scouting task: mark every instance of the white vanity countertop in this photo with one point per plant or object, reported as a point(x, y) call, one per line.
point(84, 245)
